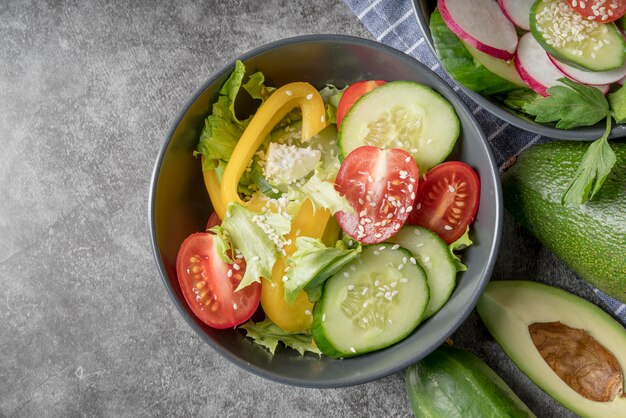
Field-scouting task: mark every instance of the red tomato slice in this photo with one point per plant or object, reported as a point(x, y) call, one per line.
point(380, 185)
point(447, 200)
point(208, 284)
point(352, 94)
point(602, 11)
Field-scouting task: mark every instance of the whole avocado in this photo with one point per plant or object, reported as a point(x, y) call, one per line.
point(590, 238)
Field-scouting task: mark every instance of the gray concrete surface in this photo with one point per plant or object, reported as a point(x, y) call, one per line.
point(88, 90)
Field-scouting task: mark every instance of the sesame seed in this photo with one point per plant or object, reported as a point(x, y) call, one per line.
point(229, 273)
point(234, 306)
point(308, 312)
point(451, 188)
point(447, 228)
point(236, 267)
point(256, 258)
point(352, 349)
point(394, 293)
point(353, 268)
point(309, 96)
point(346, 274)
point(289, 93)
point(365, 290)
point(365, 304)
point(323, 119)
point(364, 320)
point(323, 317)
point(350, 287)
point(412, 260)
point(377, 283)
point(407, 159)
point(382, 247)
point(376, 253)
point(404, 280)
point(395, 247)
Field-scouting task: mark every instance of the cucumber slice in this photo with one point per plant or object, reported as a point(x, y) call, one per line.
point(574, 40)
point(371, 303)
point(433, 255)
point(402, 114)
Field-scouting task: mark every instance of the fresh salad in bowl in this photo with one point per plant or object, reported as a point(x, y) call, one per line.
point(335, 210)
point(561, 62)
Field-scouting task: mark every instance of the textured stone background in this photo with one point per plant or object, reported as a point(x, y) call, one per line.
point(88, 90)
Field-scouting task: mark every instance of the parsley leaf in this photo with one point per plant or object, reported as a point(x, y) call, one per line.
point(571, 105)
point(592, 171)
point(618, 104)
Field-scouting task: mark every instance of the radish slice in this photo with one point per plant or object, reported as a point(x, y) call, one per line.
point(518, 12)
point(536, 69)
point(534, 66)
point(481, 24)
point(592, 78)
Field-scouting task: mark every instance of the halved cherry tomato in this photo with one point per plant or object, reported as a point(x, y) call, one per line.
point(601, 11)
point(208, 283)
point(447, 200)
point(352, 94)
point(380, 184)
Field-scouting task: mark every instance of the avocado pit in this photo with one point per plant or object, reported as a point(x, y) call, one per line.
point(579, 360)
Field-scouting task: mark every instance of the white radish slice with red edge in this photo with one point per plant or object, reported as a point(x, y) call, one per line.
point(592, 78)
point(535, 67)
point(518, 12)
point(481, 24)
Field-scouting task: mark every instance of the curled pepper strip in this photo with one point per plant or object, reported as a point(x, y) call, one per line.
point(275, 108)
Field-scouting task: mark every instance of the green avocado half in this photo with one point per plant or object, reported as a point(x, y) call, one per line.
point(543, 329)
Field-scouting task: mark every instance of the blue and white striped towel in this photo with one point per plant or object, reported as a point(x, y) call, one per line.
point(393, 22)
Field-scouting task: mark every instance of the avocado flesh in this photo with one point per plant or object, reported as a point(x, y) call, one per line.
point(589, 238)
point(508, 307)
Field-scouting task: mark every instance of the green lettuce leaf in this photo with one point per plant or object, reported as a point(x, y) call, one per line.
point(331, 96)
point(312, 264)
point(256, 236)
point(268, 335)
point(222, 129)
point(222, 243)
point(463, 242)
point(256, 87)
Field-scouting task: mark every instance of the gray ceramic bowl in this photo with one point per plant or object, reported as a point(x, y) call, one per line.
point(423, 9)
point(179, 205)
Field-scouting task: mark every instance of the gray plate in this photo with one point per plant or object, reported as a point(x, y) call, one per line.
point(179, 205)
point(423, 9)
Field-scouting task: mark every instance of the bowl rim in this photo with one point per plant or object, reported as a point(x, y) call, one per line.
point(458, 319)
point(579, 134)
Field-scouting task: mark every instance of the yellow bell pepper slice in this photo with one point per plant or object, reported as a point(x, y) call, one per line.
point(309, 222)
point(275, 108)
point(297, 316)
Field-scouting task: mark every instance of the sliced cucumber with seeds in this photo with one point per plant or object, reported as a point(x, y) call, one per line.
point(402, 114)
point(432, 253)
point(574, 40)
point(371, 303)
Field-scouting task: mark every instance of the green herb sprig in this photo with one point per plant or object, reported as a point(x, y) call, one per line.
point(572, 105)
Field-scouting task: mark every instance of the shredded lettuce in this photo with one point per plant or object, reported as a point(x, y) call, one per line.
point(268, 335)
point(312, 264)
point(256, 236)
point(331, 96)
point(463, 242)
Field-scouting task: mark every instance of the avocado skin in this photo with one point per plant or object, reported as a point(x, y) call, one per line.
point(589, 238)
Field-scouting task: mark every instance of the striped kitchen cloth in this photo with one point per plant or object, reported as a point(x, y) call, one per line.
point(394, 23)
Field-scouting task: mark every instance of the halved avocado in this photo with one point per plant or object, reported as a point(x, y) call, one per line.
point(541, 327)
